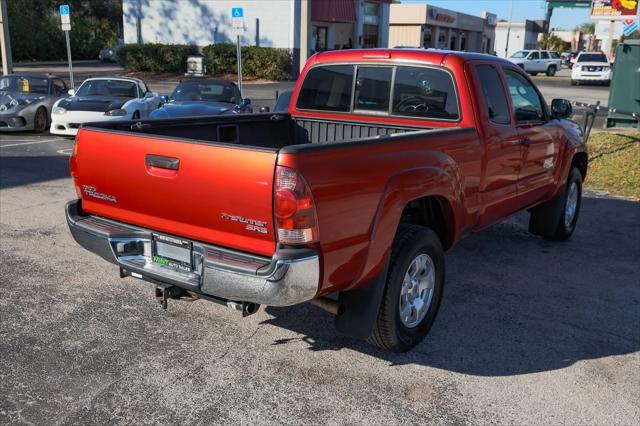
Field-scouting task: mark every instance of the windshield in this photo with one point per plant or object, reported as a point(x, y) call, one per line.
point(520, 54)
point(109, 88)
point(15, 83)
point(592, 57)
point(206, 91)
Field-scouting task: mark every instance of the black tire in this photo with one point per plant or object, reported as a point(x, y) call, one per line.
point(551, 71)
point(136, 115)
point(533, 73)
point(549, 219)
point(389, 332)
point(40, 120)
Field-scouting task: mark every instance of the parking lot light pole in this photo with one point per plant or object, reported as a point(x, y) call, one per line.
point(5, 40)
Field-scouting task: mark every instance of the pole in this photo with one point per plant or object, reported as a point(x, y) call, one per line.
point(66, 34)
point(239, 55)
point(5, 40)
point(506, 47)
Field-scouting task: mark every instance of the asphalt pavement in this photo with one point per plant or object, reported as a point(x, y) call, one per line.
point(530, 332)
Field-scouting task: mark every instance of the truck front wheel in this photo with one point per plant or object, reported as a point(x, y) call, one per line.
point(413, 290)
point(556, 220)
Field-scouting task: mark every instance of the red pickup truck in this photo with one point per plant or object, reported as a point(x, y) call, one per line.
point(385, 159)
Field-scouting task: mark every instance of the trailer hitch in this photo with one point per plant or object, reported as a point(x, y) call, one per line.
point(163, 294)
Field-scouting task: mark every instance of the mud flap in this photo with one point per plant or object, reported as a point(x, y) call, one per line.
point(546, 217)
point(361, 307)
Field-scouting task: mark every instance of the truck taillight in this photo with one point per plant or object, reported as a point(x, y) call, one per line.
point(295, 213)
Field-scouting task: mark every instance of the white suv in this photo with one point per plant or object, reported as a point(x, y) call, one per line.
point(591, 67)
point(535, 61)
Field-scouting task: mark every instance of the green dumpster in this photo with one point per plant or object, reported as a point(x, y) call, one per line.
point(624, 96)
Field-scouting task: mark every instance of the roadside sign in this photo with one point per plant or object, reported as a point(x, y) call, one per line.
point(610, 10)
point(237, 18)
point(629, 26)
point(65, 17)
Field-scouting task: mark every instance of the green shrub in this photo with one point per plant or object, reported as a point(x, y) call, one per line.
point(155, 57)
point(257, 62)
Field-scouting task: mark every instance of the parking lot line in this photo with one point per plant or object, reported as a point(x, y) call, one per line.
point(28, 143)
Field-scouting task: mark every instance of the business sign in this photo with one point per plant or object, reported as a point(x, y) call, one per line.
point(610, 10)
point(237, 18)
point(65, 17)
point(629, 26)
point(440, 16)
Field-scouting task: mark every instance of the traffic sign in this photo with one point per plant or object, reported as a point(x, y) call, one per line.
point(65, 17)
point(237, 19)
point(237, 12)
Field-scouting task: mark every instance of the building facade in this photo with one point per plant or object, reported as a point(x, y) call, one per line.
point(514, 36)
point(427, 26)
point(302, 26)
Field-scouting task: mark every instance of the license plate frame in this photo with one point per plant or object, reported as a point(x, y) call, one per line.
point(172, 252)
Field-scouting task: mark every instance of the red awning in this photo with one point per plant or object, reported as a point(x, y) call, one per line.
point(333, 11)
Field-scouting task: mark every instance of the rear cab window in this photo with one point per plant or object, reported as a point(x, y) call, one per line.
point(389, 90)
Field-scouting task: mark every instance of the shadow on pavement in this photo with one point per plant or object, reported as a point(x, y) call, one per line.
point(516, 304)
point(25, 170)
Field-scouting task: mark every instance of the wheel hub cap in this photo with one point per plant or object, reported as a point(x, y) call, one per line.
point(572, 205)
point(417, 290)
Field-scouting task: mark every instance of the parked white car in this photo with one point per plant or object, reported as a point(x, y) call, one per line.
point(593, 67)
point(535, 61)
point(102, 99)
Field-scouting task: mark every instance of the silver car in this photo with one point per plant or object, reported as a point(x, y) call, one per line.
point(26, 101)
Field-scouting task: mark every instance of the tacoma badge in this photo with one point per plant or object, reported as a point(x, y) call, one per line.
point(250, 224)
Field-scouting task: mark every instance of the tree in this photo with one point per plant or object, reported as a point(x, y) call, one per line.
point(587, 28)
point(551, 42)
point(35, 32)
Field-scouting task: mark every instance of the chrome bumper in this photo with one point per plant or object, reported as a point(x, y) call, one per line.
point(290, 277)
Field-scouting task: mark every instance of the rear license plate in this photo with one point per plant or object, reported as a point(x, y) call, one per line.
point(173, 252)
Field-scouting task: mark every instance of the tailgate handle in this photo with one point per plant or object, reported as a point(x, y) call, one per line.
point(162, 162)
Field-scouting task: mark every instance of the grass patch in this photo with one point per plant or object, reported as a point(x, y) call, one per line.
point(614, 163)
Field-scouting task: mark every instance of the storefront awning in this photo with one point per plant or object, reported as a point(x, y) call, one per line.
point(333, 11)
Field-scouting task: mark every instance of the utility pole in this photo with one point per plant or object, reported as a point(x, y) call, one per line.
point(5, 40)
point(506, 47)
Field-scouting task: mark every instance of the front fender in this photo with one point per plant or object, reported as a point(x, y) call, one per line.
point(442, 181)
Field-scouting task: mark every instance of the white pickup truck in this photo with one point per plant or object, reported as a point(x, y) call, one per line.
point(535, 61)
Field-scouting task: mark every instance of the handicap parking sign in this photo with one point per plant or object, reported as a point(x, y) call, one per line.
point(236, 12)
point(64, 9)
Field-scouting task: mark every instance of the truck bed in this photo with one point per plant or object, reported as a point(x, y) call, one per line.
point(256, 130)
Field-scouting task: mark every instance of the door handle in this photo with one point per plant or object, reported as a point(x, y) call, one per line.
point(526, 142)
point(162, 162)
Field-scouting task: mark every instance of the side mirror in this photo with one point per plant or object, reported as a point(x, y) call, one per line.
point(71, 92)
point(561, 108)
point(149, 95)
point(264, 109)
point(246, 102)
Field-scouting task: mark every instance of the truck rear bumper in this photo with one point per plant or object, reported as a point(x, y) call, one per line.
point(290, 277)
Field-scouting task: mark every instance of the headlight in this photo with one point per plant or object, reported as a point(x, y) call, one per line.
point(58, 110)
point(116, 113)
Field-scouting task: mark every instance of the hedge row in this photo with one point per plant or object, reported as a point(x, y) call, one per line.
point(257, 62)
point(155, 57)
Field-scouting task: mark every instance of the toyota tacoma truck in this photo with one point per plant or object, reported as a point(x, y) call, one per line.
point(384, 160)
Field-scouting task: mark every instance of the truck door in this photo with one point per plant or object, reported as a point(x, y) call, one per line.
point(532, 63)
point(498, 188)
point(538, 138)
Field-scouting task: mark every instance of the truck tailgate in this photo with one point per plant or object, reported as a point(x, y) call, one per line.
point(220, 194)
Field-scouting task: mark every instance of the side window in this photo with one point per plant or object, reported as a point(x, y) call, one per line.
point(327, 88)
point(554, 55)
point(544, 55)
point(59, 87)
point(494, 96)
point(373, 89)
point(526, 102)
point(142, 90)
point(534, 56)
point(425, 93)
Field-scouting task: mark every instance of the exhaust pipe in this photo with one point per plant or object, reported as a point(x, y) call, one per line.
point(328, 305)
point(247, 308)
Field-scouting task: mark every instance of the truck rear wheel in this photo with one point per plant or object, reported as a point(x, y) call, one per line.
point(551, 71)
point(556, 220)
point(413, 290)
